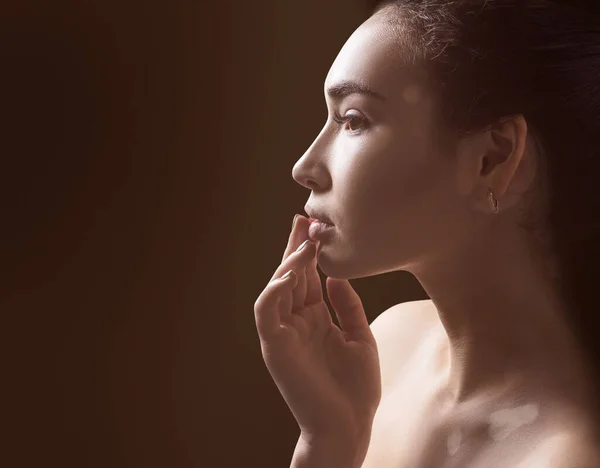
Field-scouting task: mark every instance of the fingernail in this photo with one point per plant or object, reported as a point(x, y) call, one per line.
point(294, 223)
point(301, 246)
point(286, 275)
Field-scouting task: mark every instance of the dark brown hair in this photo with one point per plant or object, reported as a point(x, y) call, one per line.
point(488, 60)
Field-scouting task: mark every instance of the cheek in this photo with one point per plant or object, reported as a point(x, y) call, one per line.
point(389, 182)
point(399, 205)
point(390, 190)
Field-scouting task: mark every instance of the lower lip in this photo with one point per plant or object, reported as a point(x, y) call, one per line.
point(317, 229)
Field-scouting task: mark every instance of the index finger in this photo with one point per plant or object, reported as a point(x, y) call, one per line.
point(298, 235)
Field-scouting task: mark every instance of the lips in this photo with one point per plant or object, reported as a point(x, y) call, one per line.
point(317, 215)
point(319, 221)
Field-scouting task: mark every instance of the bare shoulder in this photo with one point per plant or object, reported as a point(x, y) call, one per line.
point(397, 332)
point(564, 450)
point(402, 321)
point(417, 311)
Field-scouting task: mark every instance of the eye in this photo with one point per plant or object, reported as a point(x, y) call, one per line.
point(353, 119)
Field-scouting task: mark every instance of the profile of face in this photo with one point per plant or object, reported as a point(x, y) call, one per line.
point(393, 197)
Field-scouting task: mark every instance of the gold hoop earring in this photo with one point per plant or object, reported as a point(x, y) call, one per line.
point(493, 201)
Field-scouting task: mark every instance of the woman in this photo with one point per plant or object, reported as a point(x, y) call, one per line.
point(461, 147)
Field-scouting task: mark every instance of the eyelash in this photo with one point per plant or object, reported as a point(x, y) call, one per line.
point(342, 120)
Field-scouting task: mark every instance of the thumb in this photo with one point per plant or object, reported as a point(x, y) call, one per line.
point(349, 310)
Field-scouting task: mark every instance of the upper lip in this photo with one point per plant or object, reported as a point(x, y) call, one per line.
point(317, 214)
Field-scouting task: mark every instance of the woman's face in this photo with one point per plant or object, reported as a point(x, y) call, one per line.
point(391, 195)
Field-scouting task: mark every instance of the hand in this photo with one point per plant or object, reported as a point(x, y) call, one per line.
point(329, 377)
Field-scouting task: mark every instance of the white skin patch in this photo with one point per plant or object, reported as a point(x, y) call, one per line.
point(454, 440)
point(505, 421)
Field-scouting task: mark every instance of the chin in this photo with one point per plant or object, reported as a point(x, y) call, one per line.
point(335, 264)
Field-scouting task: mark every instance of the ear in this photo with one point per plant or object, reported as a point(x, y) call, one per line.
point(496, 159)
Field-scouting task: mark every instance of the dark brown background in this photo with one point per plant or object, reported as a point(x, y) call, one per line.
point(146, 197)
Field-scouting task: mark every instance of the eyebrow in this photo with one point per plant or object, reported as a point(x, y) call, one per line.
point(347, 87)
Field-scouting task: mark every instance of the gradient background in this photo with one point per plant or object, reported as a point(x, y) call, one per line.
point(145, 200)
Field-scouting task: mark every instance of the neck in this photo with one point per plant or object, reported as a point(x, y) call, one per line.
point(505, 328)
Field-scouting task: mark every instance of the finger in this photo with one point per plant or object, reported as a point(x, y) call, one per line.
point(349, 310)
point(285, 307)
point(314, 295)
point(299, 292)
point(267, 310)
point(314, 289)
point(295, 261)
point(298, 235)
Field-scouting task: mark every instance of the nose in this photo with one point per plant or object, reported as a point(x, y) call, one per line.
point(305, 177)
point(310, 170)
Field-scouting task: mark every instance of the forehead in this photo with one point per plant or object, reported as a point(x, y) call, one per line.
point(372, 55)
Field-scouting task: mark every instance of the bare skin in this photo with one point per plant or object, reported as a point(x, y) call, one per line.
point(496, 430)
point(399, 203)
